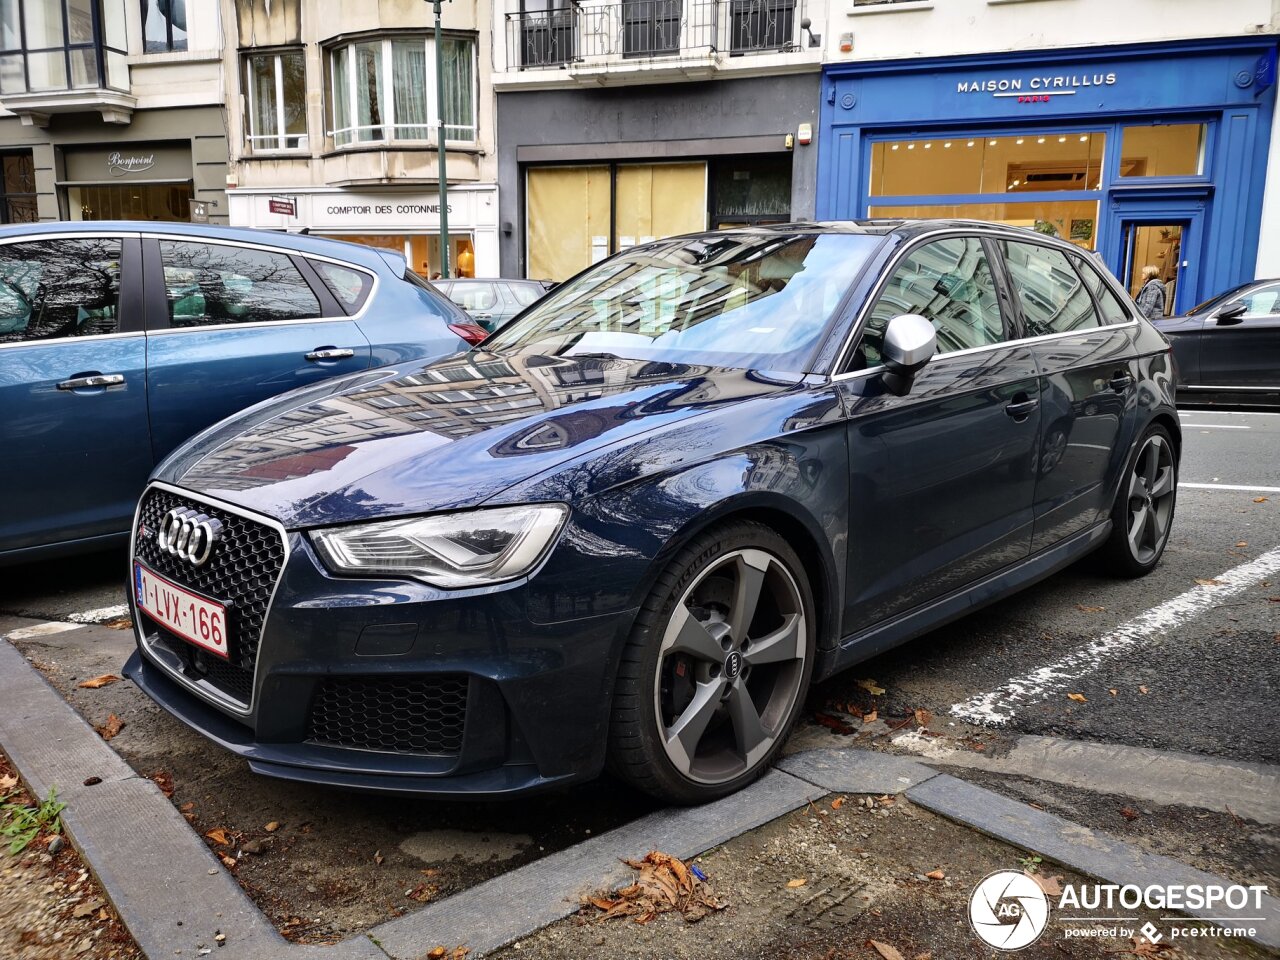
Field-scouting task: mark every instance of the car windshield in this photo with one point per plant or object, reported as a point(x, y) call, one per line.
point(1221, 298)
point(745, 300)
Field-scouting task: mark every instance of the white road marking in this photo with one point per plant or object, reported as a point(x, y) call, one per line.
point(41, 630)
point(1229, 486)
point(999, 706)
point(1230, 413)
point(101, 615)
point(1218, 426)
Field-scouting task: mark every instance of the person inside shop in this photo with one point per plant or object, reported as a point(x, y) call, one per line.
point(1151, 297)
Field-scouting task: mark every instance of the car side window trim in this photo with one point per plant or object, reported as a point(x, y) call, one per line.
point(842, 357)
point(157, 313)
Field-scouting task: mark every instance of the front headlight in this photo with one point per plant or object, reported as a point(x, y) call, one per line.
point(450, 550)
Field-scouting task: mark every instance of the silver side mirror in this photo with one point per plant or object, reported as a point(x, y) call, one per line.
point(909, 343)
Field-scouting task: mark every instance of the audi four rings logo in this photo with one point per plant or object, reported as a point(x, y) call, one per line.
point(189, 535)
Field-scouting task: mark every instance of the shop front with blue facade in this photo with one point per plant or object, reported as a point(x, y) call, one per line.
point(1150, 155)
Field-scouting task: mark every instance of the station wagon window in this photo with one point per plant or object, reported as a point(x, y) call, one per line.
point(208, 284)
point(351, 287)
point(1113, 311)
point(948, 281)
point(474, 296)
point(523, 295)
point(1052, 295)
point(51, 289)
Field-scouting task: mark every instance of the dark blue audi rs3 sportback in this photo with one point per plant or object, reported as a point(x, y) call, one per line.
point(632, 527)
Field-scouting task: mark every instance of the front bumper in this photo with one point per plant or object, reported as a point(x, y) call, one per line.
point(529, 701)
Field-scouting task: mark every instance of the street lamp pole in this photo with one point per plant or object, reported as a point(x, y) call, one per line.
point(440, 149)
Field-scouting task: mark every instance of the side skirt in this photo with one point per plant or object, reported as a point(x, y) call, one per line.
point(884, 636)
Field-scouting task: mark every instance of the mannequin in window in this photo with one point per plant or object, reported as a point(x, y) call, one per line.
point(1152, 295)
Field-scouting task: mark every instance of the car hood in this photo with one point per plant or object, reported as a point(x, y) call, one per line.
point(450, 434)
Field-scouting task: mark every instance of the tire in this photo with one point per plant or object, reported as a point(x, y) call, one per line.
point(691, 679)
point(1148, 495)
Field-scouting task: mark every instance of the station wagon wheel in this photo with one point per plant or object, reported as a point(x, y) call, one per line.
point(1143, 511)
point(727, 657)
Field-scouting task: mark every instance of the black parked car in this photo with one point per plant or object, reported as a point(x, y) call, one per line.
point(1228, 348)
point(633, 526)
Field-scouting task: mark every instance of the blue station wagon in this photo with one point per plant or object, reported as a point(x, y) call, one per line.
point(120, 340)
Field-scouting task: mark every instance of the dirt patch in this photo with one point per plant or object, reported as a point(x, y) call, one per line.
point(50, 906)
point(866, 874)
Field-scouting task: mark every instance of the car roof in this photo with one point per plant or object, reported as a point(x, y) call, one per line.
point(297, 242)
point(882, 227)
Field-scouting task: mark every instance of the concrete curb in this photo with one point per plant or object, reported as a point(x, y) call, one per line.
point(172, 894)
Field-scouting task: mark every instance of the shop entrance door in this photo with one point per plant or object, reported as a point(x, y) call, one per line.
point(1163, 233)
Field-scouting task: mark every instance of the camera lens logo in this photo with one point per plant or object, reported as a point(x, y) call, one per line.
point(1008, 910)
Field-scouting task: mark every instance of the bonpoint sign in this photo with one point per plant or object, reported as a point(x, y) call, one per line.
point(1009, 910)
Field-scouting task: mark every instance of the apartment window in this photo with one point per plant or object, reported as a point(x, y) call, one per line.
point(17, 187)
point(386, 90)
point(277, 91)
point(164, 25)
point(62, 45)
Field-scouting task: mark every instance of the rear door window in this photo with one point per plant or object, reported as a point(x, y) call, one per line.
point(1112, 310)
point(523, 293)
point(52, 289)
point(474, 296)
point(207, 284)
point(1052, 295)
point(950, 283)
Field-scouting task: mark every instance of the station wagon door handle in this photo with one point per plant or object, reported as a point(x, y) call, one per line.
point(321, 354)
point(1120, 382)
point(97, 380)
point(482, 316)
point(1021, 409)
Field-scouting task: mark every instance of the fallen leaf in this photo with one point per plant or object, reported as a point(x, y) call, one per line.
point(870, 717)
point(437, 953)
point(227, 862)
point(837, 803)
point(1143, 690)
point(1208, 582)
point(1052, 886)
point(871, 687)
point(95, 682)
point(378, 857)
point(272, 827)
point(7, 783)
point(798, 882)
point(936, 875)
point(219, 836)
point(665, 883)
point(833, 723)
point(1259, 499)
point(92, 781)
point(460, 952)
point(1114, 692)
point(1078, 697)
point(885, 951)
point(111, 727)
point(86, 908)
point(923, 717)
point(164, 781)
point(1129, 813)
point(923, 956)
point(119, 623)
point(424, 892)
point(1086, 608)
point(1242, 543)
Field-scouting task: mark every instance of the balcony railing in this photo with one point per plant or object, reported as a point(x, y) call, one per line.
point(644, 29)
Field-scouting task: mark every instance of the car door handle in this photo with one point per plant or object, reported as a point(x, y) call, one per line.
point(97, 380)
point(483, 316)
point(1120, 382)
point(320, 354)
point(1021, 409)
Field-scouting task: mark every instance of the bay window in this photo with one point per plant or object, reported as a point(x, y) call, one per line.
point(277, 100)
point(385, 90)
